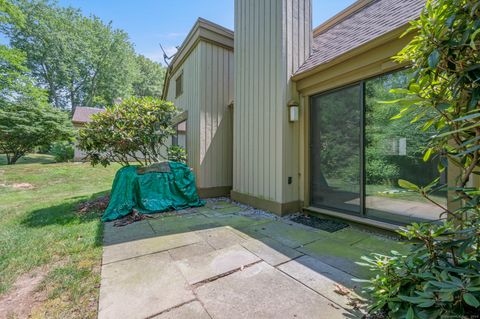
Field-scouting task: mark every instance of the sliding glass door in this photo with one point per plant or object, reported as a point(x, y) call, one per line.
point(335, 149)
point(358, 154)
point(394, 150)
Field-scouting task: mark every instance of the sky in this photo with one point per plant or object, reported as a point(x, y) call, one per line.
point(150, 22)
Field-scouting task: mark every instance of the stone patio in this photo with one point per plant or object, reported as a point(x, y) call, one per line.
point(230, 261)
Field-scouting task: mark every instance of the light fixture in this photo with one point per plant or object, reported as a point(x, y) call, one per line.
point(293, 111)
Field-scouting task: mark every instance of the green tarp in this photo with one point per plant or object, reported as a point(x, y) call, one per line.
point(152, 191)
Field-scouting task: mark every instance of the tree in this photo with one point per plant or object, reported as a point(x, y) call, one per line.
point(150, 77)
point(28, 123)
point(440, 276)
point(79, 60)
point(137, 129)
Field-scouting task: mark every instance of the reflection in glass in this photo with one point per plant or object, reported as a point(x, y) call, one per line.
point(393, 151)
point(335, 149)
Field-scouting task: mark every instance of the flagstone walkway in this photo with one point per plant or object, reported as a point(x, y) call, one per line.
point(227, 261)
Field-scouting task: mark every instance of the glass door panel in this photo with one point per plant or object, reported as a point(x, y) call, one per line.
point(393, 151)
point(335, 157)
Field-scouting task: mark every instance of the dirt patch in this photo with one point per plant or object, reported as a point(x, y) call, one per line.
point(97, 205)
point(24, 295)
point(22, 186)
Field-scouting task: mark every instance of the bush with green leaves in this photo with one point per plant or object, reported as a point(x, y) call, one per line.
point(177, 153)
point(440, 276)
point(62, 151)
point(28, 123)
point(136, 130)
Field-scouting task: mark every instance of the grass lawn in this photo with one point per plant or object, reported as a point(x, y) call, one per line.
point(39, 229)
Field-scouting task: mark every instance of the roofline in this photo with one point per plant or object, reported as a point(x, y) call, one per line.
point(384, 38)
point(341, 16)
point(202, 30)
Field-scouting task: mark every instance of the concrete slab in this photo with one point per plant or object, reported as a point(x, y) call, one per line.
point(271, 251)
point(141, 287)
point(349, 235)
point(219, 262)
point(339, 255)
point(178, 224)
point(378, 244)
point(238, 222)
point(191, 310)
point(290, 234)
point(324, 279)
point(117, 252)
point(261, 291)
point(134, 231)
point(200, 248)
point(220, 237)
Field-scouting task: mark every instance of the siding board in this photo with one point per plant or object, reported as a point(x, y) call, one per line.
point(208, 79)
point(274, 35)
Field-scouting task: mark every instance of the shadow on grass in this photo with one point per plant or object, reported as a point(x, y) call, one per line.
point(66, 214)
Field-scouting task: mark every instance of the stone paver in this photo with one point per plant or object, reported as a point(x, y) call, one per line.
point(261, 291)
point(222, 261)
point(324, 279)
point(196, 249)
point(289, 234)
point(178, 224)
point(380, 245)
point(191, 310)
point(220, 237)
point(134, 231)
point(339, 255)
point(271, 251)
point(219, 262)
point(137, 248)
point(141, 287)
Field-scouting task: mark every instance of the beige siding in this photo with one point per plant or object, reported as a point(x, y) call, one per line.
point(216, 133)
point(272, 38)
point(207, 92)
point(190, 101)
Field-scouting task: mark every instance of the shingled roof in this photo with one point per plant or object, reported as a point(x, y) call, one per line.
point(82, 114)
point(362, 26)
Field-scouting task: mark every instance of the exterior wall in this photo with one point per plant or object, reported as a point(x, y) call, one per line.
point(78, 155)
point(216, 135)
point(272, 39)
point(207, 92)
point(189, 101)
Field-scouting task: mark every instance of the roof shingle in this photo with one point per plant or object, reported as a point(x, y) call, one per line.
point(82, 114)
point(363, 26)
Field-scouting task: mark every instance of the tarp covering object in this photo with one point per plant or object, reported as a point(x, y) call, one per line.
point(152, 190)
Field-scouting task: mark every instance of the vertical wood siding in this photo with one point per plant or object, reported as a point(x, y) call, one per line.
point(272, 39)
point(208, 90)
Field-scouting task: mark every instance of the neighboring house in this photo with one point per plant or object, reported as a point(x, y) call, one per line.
point(285, 117)
point(81, 116)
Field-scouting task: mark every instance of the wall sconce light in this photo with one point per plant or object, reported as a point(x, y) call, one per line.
point(293, 111)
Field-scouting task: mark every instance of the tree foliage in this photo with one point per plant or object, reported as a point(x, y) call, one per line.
point(138, 129)
point(440, 276)
point(149, 78)
point(28, 123)
point(79, 60)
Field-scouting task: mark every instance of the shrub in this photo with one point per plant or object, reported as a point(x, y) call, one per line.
point(135, 130)
point(62, 151)
point(177, 154)
point(27, 124)
point(440, 276)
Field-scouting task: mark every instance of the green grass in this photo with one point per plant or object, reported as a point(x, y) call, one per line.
point(39, 227)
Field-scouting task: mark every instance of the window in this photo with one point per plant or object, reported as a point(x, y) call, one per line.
point(179, 85)
point(180, 139)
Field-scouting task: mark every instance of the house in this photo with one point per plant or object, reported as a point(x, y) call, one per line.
point(283, 116)
point(81, 116)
